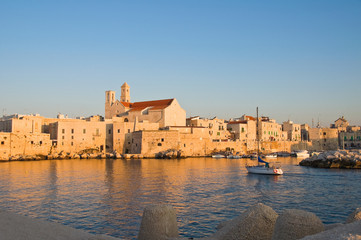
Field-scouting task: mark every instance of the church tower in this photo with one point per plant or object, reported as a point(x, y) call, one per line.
point(125, 93)
point(109, 100)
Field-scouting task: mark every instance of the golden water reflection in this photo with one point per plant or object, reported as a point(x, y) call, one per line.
point(108, 196)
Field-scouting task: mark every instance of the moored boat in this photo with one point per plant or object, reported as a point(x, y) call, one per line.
point(218, 156)
point(271, 155)
point(301, 153)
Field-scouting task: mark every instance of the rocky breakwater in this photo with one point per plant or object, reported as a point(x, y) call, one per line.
point(67, 155)
point(258, 222)
point(334, 159)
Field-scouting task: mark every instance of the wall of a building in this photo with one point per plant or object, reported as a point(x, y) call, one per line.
point(12, 144)
point(76, 136)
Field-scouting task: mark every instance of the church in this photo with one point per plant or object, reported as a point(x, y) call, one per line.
point(166, 112)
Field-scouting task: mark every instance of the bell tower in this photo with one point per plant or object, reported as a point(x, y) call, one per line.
point(109, 100)
point(125, 93)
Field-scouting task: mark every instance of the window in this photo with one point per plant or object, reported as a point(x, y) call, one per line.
point(72, 130)
point(242, 130)
point(184, 145)
point(159, 144)
point(118, 130)
point(2, 142)
point(128, 130)
point(62, 131)
point(32, 142)
point(84, 131)
point(162, 139)
point(71, 143)
point(97, 131)
point(110, 131)
point(41, 142)
point(62, 137)
point(72, 137)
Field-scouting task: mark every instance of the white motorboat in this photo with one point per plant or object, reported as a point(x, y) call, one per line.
point(233, 156)
point(271, 155)
point(218, 156)
point(302, 154)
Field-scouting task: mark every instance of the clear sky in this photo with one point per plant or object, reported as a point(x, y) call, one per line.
point(297, 60)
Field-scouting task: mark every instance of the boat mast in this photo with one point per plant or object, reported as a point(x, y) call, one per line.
point(257, 134)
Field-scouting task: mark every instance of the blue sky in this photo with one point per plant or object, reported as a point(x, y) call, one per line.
point(297, 60)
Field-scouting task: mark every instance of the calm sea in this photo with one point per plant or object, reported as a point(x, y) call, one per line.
point(108, 196)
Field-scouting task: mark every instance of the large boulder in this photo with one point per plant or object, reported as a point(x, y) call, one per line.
point(296, 224)
point(255, 223)
point(355, 216)
point(159, 222)
point(351, 231)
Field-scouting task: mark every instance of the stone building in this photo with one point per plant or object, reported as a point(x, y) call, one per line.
point(217, 127)
point(76, 135)
point(324, 138)
point(293, 130)
point(341, 124)
point(23, 135)
point(122, 133)
point(269, 130)
point(350, 140)
point(166, 112)
point(244, 131)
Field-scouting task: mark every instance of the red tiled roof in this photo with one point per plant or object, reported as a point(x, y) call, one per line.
point(153, 105)
point(251, 118)
point(237, 122)
point(127, 104)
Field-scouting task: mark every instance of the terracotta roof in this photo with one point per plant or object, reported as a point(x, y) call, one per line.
point(237, 122)
point(153, 105)
point(250, 118)
point(127, 104)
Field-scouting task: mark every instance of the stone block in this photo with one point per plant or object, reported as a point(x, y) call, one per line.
point(159, 222)
point(255, 223)
point(296, 224)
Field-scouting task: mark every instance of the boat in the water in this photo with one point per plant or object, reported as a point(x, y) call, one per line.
point(271, 155)
point(218, 156)
point(300, 154)
point(283, 154)
point(263, 167)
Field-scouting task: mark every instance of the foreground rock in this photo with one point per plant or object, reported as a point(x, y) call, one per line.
point(16, 227)
point(159, 222)
point(255, 223)
point(355, 216)
point(295, 224)
point(334, 159)
point(351, 231)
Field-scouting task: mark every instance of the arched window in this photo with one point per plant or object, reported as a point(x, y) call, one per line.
point(126, 120)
